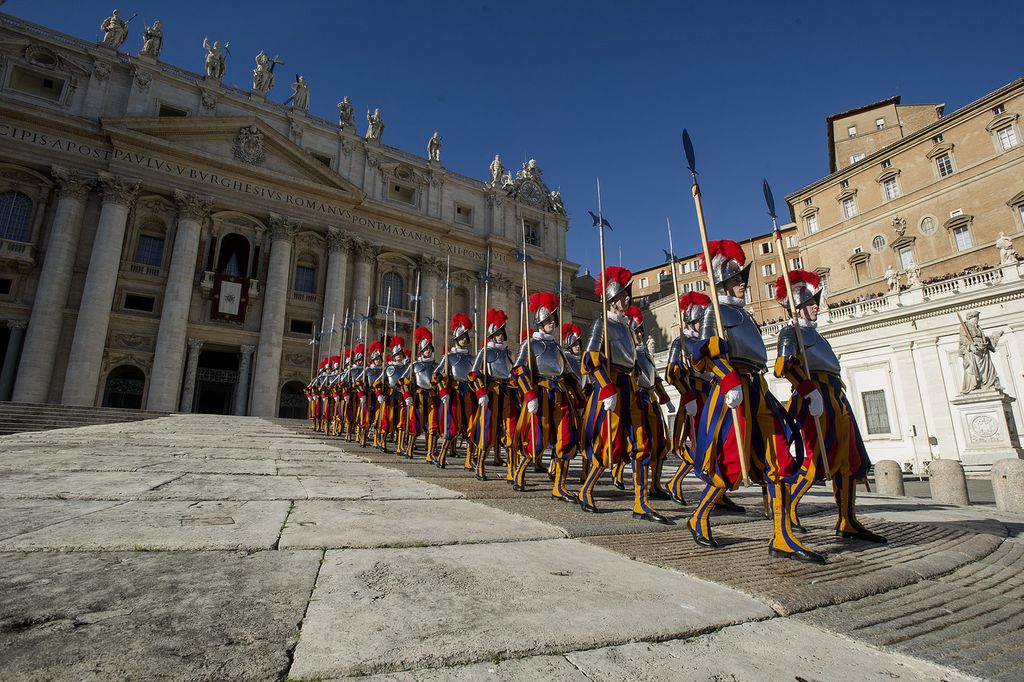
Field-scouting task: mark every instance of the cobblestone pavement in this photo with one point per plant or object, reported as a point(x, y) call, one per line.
point(201, 547)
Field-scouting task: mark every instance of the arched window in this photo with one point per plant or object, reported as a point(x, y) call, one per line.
point(15, 216)
point(392, 290)
point(234, 255)
point(305, 274)
point(124, 388)
point(293, 401)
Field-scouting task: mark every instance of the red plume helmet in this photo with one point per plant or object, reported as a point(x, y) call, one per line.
point(358, 351)
point(571, 334)
point(806, 287)
point(376, 349)
point(637, 317)
point(397, 345)
point(727, 260)
point(496, 320)
point(543, 305)
point(461, 325)
point(615, 280)
point(423, 339)
point(693, 305)
point(524, 335)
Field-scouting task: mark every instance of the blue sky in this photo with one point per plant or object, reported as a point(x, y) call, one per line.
point(601, 89)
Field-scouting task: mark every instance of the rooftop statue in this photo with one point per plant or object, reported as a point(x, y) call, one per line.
point(115, 30)
point(152, 40)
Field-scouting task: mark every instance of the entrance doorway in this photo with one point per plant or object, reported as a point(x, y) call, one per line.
point(293, 401)
point(124, 388)
point(216, 381)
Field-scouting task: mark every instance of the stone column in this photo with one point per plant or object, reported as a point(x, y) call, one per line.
point(365, 279)
point(431, 274)
point(339, 246)
point(165, 378)
point(17, 328)
point(242, 390)
point(35, 371)
point(98, 294)
point(188, 390)
point(275, 301)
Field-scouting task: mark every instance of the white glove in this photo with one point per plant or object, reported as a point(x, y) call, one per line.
point(482, 401)
point(408, 402)
point(816, 405)
point(734, 397)
point(610, 402)
point(532, 406)
point(444, 400)
point(362, 400)
point(691, 408)
point(380, 399)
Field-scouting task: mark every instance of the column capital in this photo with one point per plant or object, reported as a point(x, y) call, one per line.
point(118, 189)
point(17, 324)
point(192, 206)
point(247, 349)
point(339, 241)
point(282, 228)
point(365, 249)
point(72, 183)
point(432, 265)
point(195, 344)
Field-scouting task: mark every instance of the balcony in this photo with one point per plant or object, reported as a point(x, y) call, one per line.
point(206, 284)
point(306, 297)
point(19, 254)
point(154, 271)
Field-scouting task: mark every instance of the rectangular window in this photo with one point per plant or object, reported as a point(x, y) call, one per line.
point(1007, 137)
point(796, 263)
point(844, 184)
point(401, 193)
point(849, 207)
point(684, 268)
point(962, 237)
point(644, 282)
point(36, 84)
point(6, 285)
point(875, 413)
point(812, 223)
point(892, 190)
point(766, 247)
point(769, 290)
point(301, 327)
point(937, 139)
point(322, 158)
point(906, 257)
point(792, 241)
point(879, 123)
point(701, 285)
point(150, 250)
point(695, 265)
point(305, 279)
point(887, 163)
point(463, 214)
point(533, 233)
point(998, 109)
point(167, 110)
point(807, 201)
point(945, 165)
point(768, 270)
point(141, 303)
point(852, 131)
point(687, 287)
point(856, 157)
point(955, 212)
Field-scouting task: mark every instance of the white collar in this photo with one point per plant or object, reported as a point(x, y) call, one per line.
point(495, 344)
point(456, 349)
point(541, 336)
point(808, 324)
point(617, 318)
point(732, 300)
point(690, 334)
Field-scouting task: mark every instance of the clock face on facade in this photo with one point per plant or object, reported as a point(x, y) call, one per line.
point(531, 193)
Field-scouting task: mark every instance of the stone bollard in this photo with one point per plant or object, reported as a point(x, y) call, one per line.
point(1008, 484)
point(889, 478)
point(948, 483)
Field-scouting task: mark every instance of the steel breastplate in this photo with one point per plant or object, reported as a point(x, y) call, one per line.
point(371, 374)
point(459, 366)
point(646, 372)
point(820, 356)
point(547, 358)
point(499, 364)
point(395, 373)
point(742, 335)
point(572, 365)
point(422, 371)
point(621, 346)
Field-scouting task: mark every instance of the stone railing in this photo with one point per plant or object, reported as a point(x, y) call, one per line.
point(973, 281)
point(20, 253)
point(143, 269)
point(305, 297)
point(771, 330)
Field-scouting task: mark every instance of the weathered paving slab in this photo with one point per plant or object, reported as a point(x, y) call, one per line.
point(332, 467)
point(855, 569)
point(778, 649)
point(81, 485)
point(550, 668)
point(151, 615)
point(162, 525)
point(381, 611)
point(405, 523)
point(382, 487)
point(22, 516)
point(971, 619)
point(65, 461)
point(229, 487)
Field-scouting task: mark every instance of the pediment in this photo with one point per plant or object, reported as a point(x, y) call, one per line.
point(245, 141)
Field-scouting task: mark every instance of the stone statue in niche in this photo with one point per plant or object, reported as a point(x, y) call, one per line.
point(115, 30)
point(976, 349)
point(152, 40)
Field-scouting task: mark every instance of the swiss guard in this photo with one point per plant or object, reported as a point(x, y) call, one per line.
point(420, 396)
point(614, 407)
point(313, 394)
point(389, 395)
point(497, 404)
point(451, 378)
point(349, 399)
point(652, 395)
point(819, 399)
point(550, 395)
point(737, 362)
point(367, 415)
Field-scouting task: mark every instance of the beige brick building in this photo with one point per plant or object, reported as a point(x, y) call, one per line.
point(913, 187)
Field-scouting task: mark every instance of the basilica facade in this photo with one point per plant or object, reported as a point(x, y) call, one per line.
point(171, 242)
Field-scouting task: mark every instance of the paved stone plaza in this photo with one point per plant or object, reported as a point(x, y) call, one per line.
point(196, 547)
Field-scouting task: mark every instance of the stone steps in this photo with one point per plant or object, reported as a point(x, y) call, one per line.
point(22, 417)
